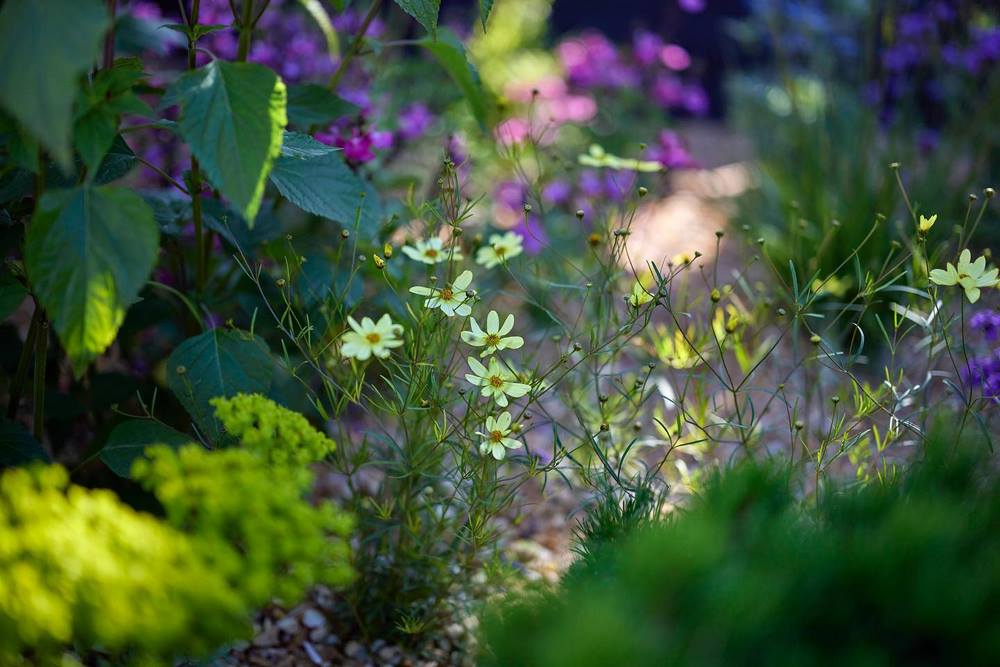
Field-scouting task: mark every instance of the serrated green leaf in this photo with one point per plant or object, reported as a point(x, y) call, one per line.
point(88, 252)
point(311, 104)
point(18, 446)
point(450, 54)
point(117, 162)
point(425, 11)
point(44, 47)
point(199, 31)
point(12, 293)
point(485, 7)
point(315, 178)
point(217, 363)
point(129, 440)
point(232, 117)
point(93, 134)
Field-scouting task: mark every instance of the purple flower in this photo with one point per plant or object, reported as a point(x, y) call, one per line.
point(557, 192)
point(671, 152)
point(511, 194)
point(535, 238)
point(986, 322)
point(590, 184)
point(414, 121)
point(695, 100)
point(382, 140)
point(357, 147)
point(618, 184)
point(646, 47)
point(668, 91)
point(692, 6)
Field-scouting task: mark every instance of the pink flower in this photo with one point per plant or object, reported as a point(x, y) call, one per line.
point(513, 131)
point(692, 6)
point(675, 57)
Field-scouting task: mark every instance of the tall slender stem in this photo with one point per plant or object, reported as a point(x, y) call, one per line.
point(109, 39)
point(355, 46)
point(21, 374)
point(38, 385)
point(194, 185)
point(246, 31)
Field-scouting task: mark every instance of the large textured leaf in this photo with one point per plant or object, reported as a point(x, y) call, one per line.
point(447, 49)
point(217, 363)
point(44, 46)
point(315, 178)
point(18, 446)
point(312, 104)
point(425, 11)
point(232, 116)
point(129, 440)
point(88, 252)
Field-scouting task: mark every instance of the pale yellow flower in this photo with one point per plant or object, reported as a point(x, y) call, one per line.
point(496, 381)
point(497, 438)
point(431, 251)
point(452, 299)
point(969, 275)
point(494, 338)
point(925, 224)
point(369, 339)
point(500, 249)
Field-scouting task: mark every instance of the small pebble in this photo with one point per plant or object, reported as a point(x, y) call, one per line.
point(313, 619)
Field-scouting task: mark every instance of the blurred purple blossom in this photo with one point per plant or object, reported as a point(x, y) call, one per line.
point(414, 121)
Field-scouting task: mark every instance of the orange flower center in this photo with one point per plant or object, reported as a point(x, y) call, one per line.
point(431, 252)
point(492, 340)
point(447, 294)
point(496, 436)
point(496, 381)
point(373, 338)
point(500, 250)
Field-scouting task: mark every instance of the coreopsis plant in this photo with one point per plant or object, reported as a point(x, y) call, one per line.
point(970, 275)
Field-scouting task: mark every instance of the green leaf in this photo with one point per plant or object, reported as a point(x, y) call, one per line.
point(12, 293)
point(232, 116)
point(118, 161)
point(129, 440)
point(450, 53)
point(315, 178)
point(311, 104)
point(44, 47)
point(485, 7)
point(217, 363)
point(93, 134)
point(199, 31)
point(18, 446)
point(88, 252)
point(425, 11)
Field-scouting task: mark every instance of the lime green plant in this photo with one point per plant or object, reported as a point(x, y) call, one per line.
point(82, 568)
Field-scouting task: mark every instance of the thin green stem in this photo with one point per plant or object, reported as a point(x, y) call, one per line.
point(355, 46)
point(21, 374)
point(246, 31)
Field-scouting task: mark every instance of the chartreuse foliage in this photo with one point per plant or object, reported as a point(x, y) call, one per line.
point(82, 567)
point(893, 574)
point(275, 433)
point(250, 519)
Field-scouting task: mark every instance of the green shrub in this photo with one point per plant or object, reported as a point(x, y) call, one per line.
point(900, 573)
point(80, 567)
point(250, 520)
